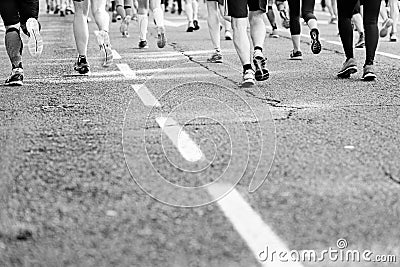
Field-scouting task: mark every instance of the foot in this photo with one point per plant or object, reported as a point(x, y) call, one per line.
point(215, 58)
point(143, 44)
point(361, 42)
point(114, 17)
point(259, 61)
point(285, 19)
point(196, 25)
point(248, 79)
point(274, 34)
point(16, 78)
point(82, 66)
point(393, 37)
point(161, 39)
point(228, 35)
point(349, 67)
point(105, 48)
point(315, 43)
point(124, 26)
point(368, 74)
point(333, 20)
point(35, 42)
point(385, 27)
point(190, 27)
point(296, 55)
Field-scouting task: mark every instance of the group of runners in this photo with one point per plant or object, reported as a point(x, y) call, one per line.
point(235, 15)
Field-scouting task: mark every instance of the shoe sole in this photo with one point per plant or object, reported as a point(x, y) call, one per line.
point(260, 73)
point(16, 83)
point(369, 77)
point(214, 61)
point(316, 46)
point(35, 41)
point(161, 42)
point(296, 58)
point(347, 72)
point(247, 84)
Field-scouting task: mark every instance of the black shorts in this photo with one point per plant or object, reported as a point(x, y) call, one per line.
point(221, 2)
point(238, 8)
point(18, 11)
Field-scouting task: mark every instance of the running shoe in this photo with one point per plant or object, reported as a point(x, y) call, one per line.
point(361, 41)
point(16, 78)
point(161, 39)
point(393, 37)
point(248, 79)
point(114, 17)
point(259, 61)
point(196, 25)
point(62, 13)
point(118, 17)
point(228, 35)
point(143, 44)
point(315, 43)
point(285, 19)
point(57, 9)
point(215, 58)
point(82, 66)
point(105, 47)
point(333, 21)
point(296, 55)
point(368, 74)
point(385, 27)
point(349, 67)
point(124, 26)
point(274, 34)
point(35, 41)
point(190, 27)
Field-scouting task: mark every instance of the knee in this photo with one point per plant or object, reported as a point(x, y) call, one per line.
point(308, 15)
point(255, 16)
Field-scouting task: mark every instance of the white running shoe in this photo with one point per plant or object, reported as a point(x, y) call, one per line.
point(105, 47)
point(35, 41)
point(124, 26)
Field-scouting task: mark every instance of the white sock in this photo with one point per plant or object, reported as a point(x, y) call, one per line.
point(143, 23)
point(158, 16)
point(195, 10)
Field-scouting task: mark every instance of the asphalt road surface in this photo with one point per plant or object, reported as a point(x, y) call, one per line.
point(150, 161)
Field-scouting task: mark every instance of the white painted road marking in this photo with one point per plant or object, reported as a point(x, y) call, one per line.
point(145, 95)
point(126, 71)
point(182, 141)
point(115, 54)
point(250, 225)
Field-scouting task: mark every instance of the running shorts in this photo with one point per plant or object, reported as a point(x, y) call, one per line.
point(18, 11)
point(238, 8)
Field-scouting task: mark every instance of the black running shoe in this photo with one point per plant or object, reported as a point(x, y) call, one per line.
point(16, 78)
point(259, 61)
point(196, 25)
point(143, 44)
point(81, 66)
point(349, 67)
point(296, 55)
point(369, 74)
point(315, 43)
point(190, 27)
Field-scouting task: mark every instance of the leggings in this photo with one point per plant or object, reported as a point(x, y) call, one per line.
point(307, 12)
point(370, 21)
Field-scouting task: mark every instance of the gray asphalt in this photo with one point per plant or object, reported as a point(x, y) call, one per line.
point(74, 148)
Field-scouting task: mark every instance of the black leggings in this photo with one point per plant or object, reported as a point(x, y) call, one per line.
point(370, 21)
point(307, 13)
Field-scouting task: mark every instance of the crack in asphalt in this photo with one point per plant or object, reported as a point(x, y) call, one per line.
point(389, 175)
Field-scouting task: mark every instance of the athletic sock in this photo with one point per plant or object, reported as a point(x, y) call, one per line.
point(158, 17)
point(143, 23)
point(195, 10)
point(14, 46)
